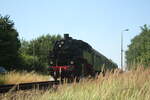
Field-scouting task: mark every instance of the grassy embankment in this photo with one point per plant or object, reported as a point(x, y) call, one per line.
point(132, 85)
point(21, 77)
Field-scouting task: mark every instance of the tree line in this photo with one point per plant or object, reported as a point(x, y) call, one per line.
point(19, 54)
point(138, 52)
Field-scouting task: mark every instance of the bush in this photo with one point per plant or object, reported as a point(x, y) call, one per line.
point(31, 63)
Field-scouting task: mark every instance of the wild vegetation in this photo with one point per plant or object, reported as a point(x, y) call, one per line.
point(17, 54)
point(35, 53)
point(131, 85)
point(139, 49)
point(22, 77)
point(9, 43)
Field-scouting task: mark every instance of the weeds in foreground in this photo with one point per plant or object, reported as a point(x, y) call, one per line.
point(131, 85)
point(22, 77)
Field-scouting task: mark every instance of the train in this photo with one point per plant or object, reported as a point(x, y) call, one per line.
point(71, 58)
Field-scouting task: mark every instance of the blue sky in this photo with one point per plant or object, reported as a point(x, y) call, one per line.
point(98, 22)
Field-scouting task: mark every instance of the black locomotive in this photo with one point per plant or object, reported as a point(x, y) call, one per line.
point(72, 58)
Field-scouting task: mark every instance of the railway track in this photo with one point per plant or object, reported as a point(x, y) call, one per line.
point(27, 86)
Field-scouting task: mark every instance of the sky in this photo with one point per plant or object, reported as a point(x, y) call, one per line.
point(98, 22)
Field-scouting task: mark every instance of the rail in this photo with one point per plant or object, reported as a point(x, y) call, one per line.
point(27, 86)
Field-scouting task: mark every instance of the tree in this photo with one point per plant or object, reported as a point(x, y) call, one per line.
point(139, 49)
point(9, 43)
point(35, 53)
point(41, 46)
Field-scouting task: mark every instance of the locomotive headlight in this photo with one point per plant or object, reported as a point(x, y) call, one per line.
point(59, 45)
point(51, 62)
point(71, 62)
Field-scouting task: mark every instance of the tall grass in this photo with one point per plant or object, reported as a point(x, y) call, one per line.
point(2, 79)
point(131, 85)
point(22, 77)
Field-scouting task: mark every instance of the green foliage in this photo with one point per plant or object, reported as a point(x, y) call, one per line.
point(139, 49)
point(30, 63)
point(41, 46)
point(24, 47)
point(34, 53)
point(9, 43)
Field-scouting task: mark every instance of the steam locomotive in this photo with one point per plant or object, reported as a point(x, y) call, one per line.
point(71, 58)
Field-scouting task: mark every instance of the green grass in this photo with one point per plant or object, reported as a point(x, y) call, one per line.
point(132, 85)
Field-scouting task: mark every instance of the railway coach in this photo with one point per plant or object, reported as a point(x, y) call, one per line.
point(71, 58)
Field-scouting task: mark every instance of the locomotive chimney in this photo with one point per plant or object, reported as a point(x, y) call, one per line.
point(66, 36)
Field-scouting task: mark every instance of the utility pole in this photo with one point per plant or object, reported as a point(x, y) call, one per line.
point(122, 47)
point(33, 53)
